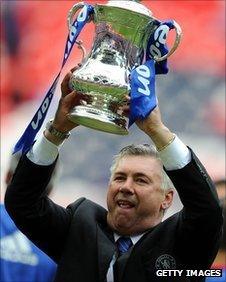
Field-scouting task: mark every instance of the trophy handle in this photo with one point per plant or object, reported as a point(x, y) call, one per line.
point(70, 21)
point(175, 45)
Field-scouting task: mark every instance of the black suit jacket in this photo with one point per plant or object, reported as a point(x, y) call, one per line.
point(80, 241)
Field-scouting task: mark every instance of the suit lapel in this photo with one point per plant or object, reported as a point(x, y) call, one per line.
point(106, 249)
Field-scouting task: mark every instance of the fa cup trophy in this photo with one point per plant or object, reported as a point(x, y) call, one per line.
point(122, 30)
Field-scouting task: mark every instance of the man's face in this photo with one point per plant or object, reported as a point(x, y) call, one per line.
point(135, 198)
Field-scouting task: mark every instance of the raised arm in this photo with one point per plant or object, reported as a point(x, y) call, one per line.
point(201, 218)
point(41, 220)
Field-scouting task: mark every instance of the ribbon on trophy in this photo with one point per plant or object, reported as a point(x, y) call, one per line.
point(27, 139)
point(142, 78)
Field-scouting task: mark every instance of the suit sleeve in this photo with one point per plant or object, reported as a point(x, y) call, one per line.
point(40, 219)
point(201, 218)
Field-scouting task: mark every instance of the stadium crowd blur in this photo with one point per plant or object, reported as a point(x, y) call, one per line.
point(33, 35)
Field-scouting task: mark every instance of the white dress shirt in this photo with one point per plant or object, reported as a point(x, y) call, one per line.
point(175, 156)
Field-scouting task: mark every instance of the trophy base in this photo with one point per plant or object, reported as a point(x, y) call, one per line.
point(99, 120)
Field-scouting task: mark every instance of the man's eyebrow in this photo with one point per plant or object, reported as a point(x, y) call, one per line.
point(141, 174)
point(136, 174)
point(119, 173)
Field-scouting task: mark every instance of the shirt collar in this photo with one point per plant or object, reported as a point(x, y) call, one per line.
point(134, 239)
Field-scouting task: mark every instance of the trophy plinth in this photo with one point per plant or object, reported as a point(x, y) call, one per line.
point(99, 120)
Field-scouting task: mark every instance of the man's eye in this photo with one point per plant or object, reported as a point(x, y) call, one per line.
point(119, 178)
point(141, 180)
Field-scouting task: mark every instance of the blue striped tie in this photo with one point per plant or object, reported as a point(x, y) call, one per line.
point(123, 244)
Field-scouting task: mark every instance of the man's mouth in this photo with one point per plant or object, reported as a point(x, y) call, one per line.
point(124, 204)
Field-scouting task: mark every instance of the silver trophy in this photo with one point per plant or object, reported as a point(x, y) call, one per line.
point(122, 30)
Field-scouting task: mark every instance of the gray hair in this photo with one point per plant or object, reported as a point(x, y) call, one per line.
point(141, 150)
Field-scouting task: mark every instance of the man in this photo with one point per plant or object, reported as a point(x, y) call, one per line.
point(20, 259)
point(84, 238)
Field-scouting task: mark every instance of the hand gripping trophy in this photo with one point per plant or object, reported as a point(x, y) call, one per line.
point(122, 31)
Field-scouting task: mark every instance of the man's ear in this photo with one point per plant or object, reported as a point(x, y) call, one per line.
point(168, 199)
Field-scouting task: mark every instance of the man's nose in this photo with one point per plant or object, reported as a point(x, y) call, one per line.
point(127, 187)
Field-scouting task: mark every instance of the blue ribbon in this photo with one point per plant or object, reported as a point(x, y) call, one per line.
point(27, 139)
point(143, 99)
point(142, 79)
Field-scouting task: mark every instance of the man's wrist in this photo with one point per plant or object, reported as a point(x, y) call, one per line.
point(161, 137)
point(167, 144)
point(54, 135)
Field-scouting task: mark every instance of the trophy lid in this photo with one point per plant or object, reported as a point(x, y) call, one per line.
point(130, 5)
